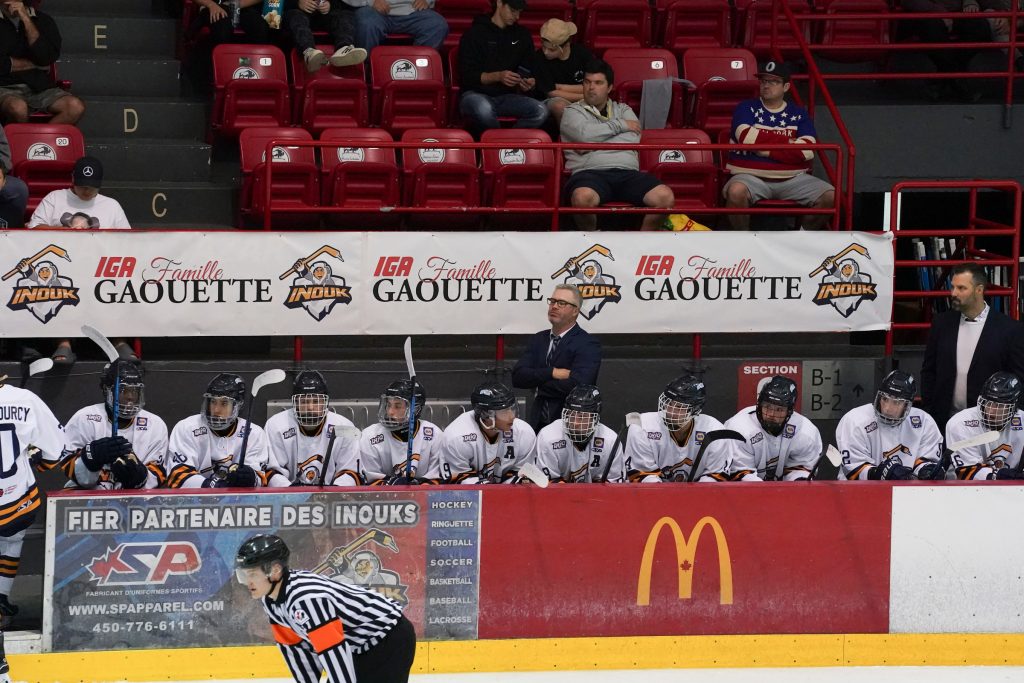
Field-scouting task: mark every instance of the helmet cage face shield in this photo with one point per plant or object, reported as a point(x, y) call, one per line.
point(579, 425)
point(219, 422)
point(310, 409)
point(489, 418)
point(675, 414)
point(130, 399)
point(995, 415)
point(773, 416)
point(890, 399)
point(393, 412)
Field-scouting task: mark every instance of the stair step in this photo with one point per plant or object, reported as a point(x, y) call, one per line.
point(128, 35)
point(117, 75)
point(142, 117)
point(119, 8)
point(152, 158)
point(177, 205)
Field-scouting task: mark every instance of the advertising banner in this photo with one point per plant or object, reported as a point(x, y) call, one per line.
point(156, 571)
point(135, 283)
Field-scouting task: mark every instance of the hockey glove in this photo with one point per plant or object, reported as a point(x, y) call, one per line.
point(1009, 474)
point(104, 452)
point(932, 471)
point(890, 470)
point(400, 480)
point(239, 476)
point(129, 472)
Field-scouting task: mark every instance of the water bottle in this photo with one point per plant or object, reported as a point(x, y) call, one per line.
point(235, 12)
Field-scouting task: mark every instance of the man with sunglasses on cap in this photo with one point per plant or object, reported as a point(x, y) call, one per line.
point(779, 173)
point(558, 67)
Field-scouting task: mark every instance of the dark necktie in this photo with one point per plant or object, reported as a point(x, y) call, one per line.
point(551, 352)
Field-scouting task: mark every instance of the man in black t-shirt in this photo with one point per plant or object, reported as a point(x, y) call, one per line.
point(558, 67)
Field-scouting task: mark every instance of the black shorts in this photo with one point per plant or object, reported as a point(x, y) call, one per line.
point(389, 660)
point(613, 185)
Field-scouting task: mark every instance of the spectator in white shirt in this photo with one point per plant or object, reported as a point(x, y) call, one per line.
point(82, 206)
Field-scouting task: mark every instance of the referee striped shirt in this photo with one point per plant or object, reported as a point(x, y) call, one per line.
point(319, 624)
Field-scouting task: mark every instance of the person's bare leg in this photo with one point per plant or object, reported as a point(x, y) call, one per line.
point(660, 197)
point(584, 197)
point(14, 109)
point(825, 201)
point(68, 109)
point(737, 196)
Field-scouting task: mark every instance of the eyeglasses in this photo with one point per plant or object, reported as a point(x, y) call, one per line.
point(772, 81)
point(560, 304)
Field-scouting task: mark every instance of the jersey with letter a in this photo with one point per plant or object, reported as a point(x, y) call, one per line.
point(297, 457)
point(319, 624)
point(196, 452)
point(763, 457)
point(978, 462)
point(384, 454)
point(866, 442)
point(561, 460)
point(147, 434)
point(652, 454)
point(469, 458)
point(26, 426)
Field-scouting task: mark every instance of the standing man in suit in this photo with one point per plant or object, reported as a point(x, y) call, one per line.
point(966, 346)
point(559, 359)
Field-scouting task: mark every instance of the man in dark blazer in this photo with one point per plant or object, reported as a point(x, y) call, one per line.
point(557, 360)
point(965, 346)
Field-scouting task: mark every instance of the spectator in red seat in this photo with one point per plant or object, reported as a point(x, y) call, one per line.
point(602, 176)
point(337, 19)
point(975, 30)
point(377, 18)
point(29, 45)
point(775, 174)
point(495, 56)
point(13, 191)
point(558, 67)
point(222, 29)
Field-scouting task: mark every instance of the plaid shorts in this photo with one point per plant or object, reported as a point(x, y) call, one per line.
point(37, 102)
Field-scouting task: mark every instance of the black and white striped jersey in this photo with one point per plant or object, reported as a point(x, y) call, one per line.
point(319, 624)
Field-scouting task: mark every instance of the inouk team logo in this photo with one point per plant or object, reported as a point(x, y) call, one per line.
point(596, 286)
point(844, 285)
point(353, 563)
point(133, 564)
point(686, 552)
point(40, 288)
point(315, 287)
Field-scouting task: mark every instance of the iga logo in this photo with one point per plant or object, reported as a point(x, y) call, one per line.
point(133, 564)
point(41, 289)
point(844, 286)
point(315, 287)
point(597, 288)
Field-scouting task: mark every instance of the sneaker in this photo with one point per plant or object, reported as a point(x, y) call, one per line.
point(348, 55)
point(6, 608)
point(315, 59)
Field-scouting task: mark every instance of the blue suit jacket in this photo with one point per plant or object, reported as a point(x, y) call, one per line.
point(578, 351)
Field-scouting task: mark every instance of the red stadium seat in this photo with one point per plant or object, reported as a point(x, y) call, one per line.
point(682, 24)
point(756, 31)
point(539, 11)
point(519, 176)
point(460, 14)
point(441, 177)
point(691, 173)
point(295, 181)
point(408, 87)
point(633, 67)
point(723, 77)
point(606, 24)
point(848, 31)
point(251, 88)
point(43, 155)
point(330, 98)
point(356, 175)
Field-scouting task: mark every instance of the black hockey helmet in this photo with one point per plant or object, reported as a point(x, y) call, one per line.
point(681, 401)
point(131, 388)
point(778, 391)
point(400, 389)
point(229, 386)
point(310, 382)
point(998, 400)
point(490, 397)
point(897, 386)
point(310, 398)
point(581, 412)
point(261, 552)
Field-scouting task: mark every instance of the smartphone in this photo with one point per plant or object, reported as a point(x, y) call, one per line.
point(524, 72)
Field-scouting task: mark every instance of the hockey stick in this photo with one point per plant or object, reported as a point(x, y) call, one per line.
point(263, 379)
point(114, 357)
point(632, 419)
point(412, 406)
point(833, 458)
point(709, 439)
point(347, 432)
point(534, 474)
point(38, 366)
point(982, 439)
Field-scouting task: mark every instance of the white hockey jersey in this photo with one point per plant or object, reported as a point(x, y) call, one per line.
point(383, 454)
point(652, 454)
point(28, 432)
point(763, 457)
point(865, 442)
point(296, 457)
point(469, 458)
point(196, 452)
point(978, 462)
point(147, 434)
point(561, 460)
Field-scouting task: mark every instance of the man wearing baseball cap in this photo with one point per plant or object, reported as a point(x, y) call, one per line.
point(558, 67)
point(81, 206)
point(495, 59)
point(774, 174)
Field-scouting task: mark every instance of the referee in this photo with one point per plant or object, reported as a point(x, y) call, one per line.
point(353, 634)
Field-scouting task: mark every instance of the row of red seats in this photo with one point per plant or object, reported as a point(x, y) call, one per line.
point(410, 87)
point(43, 155)
point(354, 174)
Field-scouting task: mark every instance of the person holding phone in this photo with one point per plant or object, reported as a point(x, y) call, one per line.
point(494, 69)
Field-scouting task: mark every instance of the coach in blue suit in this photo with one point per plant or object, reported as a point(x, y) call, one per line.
point(556, 360)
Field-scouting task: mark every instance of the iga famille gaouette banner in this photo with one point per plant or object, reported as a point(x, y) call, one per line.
point(135, 283)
